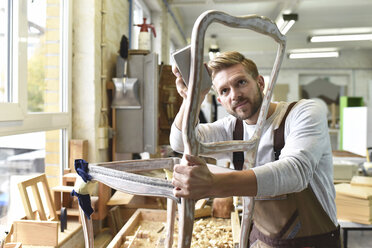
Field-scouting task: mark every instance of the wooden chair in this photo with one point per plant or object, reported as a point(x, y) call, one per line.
point(33, 183)
point(120, 174)
point(40, 227)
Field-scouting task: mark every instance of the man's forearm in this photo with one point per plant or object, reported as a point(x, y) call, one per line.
point(236, 183)
point(179, 117)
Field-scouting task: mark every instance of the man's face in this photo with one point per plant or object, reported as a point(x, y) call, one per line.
point(239, 93)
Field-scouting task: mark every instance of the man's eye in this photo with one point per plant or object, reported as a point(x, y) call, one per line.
point(223, 91)
point(242, 82)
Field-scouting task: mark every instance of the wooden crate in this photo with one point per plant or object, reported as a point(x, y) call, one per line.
point(129, 229)
point(158, 217)
point(31, 233)
point(128, 204)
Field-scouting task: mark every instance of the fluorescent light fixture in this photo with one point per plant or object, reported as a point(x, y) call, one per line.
point(332, 54)
point(287, 22)
point(345, 37)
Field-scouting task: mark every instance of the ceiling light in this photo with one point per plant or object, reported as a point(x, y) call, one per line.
point(345, 37)
point(333, 54)
point(287, 22)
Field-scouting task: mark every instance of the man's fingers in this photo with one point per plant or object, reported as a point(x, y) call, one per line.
point(194, 160)
point(175, 71)
point(181, 88)
point(178, 192)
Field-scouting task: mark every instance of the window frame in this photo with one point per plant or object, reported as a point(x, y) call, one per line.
point(14, 118)
point(15, 108)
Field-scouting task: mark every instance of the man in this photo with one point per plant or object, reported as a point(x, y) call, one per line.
point(294, 193)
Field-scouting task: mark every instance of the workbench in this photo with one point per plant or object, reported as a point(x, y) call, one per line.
point(347, 226)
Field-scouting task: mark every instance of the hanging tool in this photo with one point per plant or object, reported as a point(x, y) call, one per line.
point(126, 90)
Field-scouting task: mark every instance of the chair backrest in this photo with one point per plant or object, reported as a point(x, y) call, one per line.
point(33, 183)
point(256, 23)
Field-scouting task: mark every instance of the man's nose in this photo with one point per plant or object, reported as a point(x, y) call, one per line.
point(235, 94)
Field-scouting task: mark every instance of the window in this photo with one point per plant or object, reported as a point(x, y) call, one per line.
point(22, 156)
point(33, 37)
point(34, 100)
point(4, 90)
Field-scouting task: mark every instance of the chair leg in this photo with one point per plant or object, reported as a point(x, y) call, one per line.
point(87, 229)
point(171, 214)
point(186, 222)
point(248, 208)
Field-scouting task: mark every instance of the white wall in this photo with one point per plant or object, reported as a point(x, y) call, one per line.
point(93, 65)
point(357, 65)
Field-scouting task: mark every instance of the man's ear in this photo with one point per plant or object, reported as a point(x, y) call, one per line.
point(261, 82)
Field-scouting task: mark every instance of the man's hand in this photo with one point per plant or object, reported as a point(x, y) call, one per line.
point(181, 87)
point(193, 179)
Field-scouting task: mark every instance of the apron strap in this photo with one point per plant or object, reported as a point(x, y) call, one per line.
point(279, 133)
point(238, 157)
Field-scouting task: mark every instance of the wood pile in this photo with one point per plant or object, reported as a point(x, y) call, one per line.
point(354, 200)
point(147, 228)
point(210, 232)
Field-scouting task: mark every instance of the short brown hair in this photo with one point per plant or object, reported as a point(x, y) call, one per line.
point(227, 59)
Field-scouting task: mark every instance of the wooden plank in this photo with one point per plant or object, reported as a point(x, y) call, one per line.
point(39, 203)
point(29, 232)
point(70, 212)
point(69, 179)
point(116, 220)
point(48, 197)
point(138, 52)
point(120, 198)
point(63, 188)
point(8, 237)
point(235, 226)
point(102, 239)
point(200, 204)
point(33, 180)
point(26, 202)
point(153, 214)
point(72, 234)
point(13, 245)
point(78, 149)
point(104, 194)
point(361, 181)
point(134, 237)
point(133, 201)
point(206, 211)
point(354, 191)
point(127, 228)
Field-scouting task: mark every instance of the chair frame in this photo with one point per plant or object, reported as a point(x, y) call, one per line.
point(120, 174)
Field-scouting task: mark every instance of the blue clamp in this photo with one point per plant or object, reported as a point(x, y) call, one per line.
point(81, 167)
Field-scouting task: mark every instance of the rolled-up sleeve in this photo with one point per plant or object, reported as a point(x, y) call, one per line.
point(175, 139)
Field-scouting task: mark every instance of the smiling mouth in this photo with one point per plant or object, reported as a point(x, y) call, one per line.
point(240, 104)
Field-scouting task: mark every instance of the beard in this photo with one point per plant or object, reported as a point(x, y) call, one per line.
point(255, 106)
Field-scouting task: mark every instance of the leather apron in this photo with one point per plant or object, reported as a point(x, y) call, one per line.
point(291, 220)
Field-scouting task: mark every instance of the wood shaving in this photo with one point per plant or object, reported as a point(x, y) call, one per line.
point(207, 233)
